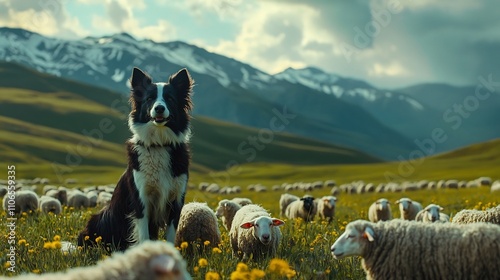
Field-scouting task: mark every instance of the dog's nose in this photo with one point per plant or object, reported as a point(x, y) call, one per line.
point(160, 109)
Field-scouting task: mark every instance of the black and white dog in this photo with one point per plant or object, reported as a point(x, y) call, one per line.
point(150, 193)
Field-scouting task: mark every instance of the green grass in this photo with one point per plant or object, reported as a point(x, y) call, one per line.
point(305, 247)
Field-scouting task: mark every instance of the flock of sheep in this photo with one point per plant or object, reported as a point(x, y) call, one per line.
point(468, 245)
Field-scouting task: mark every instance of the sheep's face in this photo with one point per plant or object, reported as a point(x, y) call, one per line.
point(351, 242)
point(404, 204)
point(329, 201)
point(262, 228)
point(382, 204)
point(308, 202)
point(166, 267)
point(432, 212)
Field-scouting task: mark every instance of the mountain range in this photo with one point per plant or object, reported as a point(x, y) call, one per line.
point(387, 124)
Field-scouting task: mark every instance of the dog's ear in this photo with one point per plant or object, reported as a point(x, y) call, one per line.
point(139, 81)
point(182, 81)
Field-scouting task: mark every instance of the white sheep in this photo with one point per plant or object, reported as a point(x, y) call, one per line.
point(49, 204)
point(20, 201)
point(408, 208)
point(254, 233)
point(156, 260)
point(285, 200)
point(197, 222)
point(432, 213)
point(379, 211)
point(304, 208)
point(77, 199)
point(59, 194)
point(400, 249)
point(495, 187)
point(242, 200)
point(467, 216)
point(92, 196)
point(326, 207)
point(103, 199)
point(226, 211)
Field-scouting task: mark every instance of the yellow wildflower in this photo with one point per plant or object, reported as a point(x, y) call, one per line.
point(196, 269)
point(48, 245)
point(22, 242)
point(31, 251)
point(57, 238)
point(37, 271)
point(212, 276)
point(184, 245)
point(216, 250)
point(98, 239)
point(281, 268)
point(242, 267)
point(202, 262)
point(206, 243)
point(256, 274)
point(87, 237)
point(6, 265)
point(56, 244)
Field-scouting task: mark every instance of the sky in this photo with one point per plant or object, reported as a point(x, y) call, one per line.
point(388, 43)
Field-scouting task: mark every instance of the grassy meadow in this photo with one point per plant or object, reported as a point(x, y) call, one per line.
point(304, 251)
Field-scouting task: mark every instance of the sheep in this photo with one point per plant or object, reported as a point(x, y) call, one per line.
point(335, 191)
point(285, 200)
point(254, 233)
point(495, 187)
point(60, 195)
point(197, 222)
point(92, 196)
point(400, 249)
point(466, 216)
point(431, 213)
point(77, 199)
point(379, 211)
point(149, 260)
point(3, 190)
point(226, 211)
point(304, 208)
point(49, 204)
point(408, 208)
point(47, 188)
point(20, 201)
point(103, 199)
point(242, 200)
point(326, 207)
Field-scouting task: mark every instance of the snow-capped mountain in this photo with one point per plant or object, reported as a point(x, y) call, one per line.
point(325, 106)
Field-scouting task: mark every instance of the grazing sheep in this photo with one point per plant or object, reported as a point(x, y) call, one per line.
point(103, 199)
point(484, 181)
point(77, 199)
point(156, 260)
point(466, 216)
point(304, 208)
point(92, 196)
point(226, 211)
point(408, 208)
point(49, 204)
point(47, 188)
point(60, 195)
point(254, 233)
point(495, 187)
point(380, 211)
point(400, 249)
point(242, 200)
point(330, 183)
point(285, 200)
point(326, 207)
point(203, 186)
point(432, 213)
point(23, 201)
point(335, 191)
point(197, 223)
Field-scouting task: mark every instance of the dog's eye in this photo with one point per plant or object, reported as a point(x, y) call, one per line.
point(149, 98)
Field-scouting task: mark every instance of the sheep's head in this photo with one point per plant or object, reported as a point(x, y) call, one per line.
point(432, 212)
point(404, 204)
point(219, 212)
point(329, 201)
point(308, 202)
point(353, 241)
point(382, 204)
point(262, 228)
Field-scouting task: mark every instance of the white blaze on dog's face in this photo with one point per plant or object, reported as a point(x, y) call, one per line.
point(262, 228)
point(159, 110)
point(350, 243)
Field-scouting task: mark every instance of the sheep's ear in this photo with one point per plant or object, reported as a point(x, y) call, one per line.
point(368, 234)
point(326, 200)
point(397, 201)
point(278, 222)
point(441, 208)
point(247, 225)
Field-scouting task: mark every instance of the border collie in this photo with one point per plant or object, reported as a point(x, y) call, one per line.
point(150, 193)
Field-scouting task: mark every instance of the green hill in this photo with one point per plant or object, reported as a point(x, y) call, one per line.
point(47, 121)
